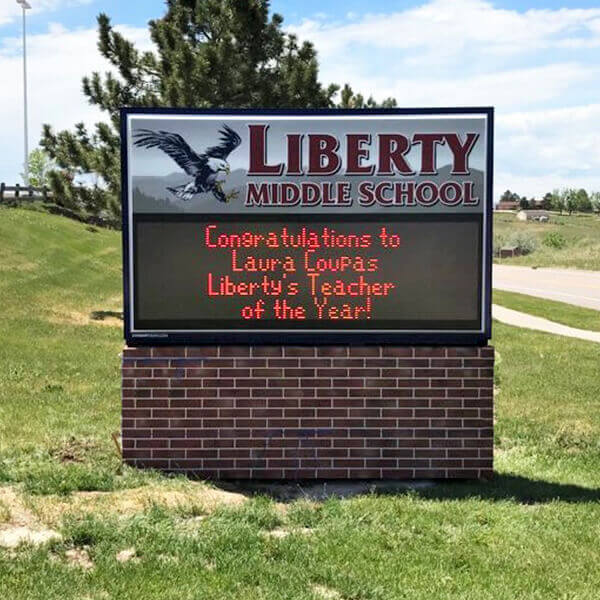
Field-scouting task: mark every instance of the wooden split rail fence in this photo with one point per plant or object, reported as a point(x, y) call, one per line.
point(23, 192)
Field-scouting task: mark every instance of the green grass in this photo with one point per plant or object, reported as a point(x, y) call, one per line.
point(56, 364)
point(560, 312)
point(59, 369)
point(580, 231)
point(548, 411)
point(371, 547)
point(531, 533)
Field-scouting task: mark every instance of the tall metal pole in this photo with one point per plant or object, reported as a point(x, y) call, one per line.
point(25, 126)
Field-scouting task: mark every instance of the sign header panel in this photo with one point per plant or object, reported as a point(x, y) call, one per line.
point(329, 226)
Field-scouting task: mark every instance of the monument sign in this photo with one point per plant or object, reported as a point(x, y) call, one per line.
point(307, 293)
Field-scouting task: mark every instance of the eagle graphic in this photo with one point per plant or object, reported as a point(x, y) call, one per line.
point(204, 168)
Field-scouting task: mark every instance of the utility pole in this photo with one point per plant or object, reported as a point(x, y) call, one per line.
point(25, 6)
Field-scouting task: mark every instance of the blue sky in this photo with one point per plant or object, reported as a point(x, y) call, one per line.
point(537, 62)
point(137, 12)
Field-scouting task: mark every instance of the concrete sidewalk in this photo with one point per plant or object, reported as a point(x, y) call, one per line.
point(520, 319)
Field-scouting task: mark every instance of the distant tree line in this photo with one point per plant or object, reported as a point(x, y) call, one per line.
point(567, 200)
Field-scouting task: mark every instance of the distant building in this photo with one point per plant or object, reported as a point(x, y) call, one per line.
point(507, 205)
point(533, 215)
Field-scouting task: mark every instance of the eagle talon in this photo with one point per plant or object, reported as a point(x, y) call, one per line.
point(232, 195)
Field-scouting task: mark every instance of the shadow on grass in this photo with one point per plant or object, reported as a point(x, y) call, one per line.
point(101, 315)
point(503, 487)
point(520, 489)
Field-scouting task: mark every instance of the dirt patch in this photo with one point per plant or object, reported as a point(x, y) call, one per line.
point(167, 559)
point(79, 557)
point(137, 499)
point(5, 514)
point(127, 555)
point(73, 450)
point(132, 501)
point(12, 537)
point(22, 526)
point(281, 532)
point(326, 593)
point(190, 525)
point(33, 525)
point(19, 514)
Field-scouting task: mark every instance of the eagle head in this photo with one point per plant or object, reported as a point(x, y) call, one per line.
point(219, 165)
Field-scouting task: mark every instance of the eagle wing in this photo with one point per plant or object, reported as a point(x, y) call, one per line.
point(230, 140)
point(173, 145)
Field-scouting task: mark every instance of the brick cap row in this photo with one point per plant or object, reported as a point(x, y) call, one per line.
point(306, 351)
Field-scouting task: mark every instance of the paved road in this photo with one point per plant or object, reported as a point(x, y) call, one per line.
point(520, 319)
point(574, 287)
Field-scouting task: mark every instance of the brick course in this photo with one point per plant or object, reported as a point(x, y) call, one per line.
point(310, 412)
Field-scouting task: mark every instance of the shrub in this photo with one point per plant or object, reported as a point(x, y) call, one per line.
point(553, 239)
point(525, 242)
point(499, 242)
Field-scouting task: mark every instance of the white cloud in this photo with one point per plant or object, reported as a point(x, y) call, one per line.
point(464, 52)
point(10, 10)
point(533, 186)
point(57, 61)
point(540, 69)
point(508, 89)
point(449, 26)
point(549, 148)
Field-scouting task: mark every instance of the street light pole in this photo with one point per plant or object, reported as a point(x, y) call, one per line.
point(25, 6)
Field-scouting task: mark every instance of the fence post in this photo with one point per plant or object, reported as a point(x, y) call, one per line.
point(31, 191)
point(2, 186)
point(17, 188)
point(45, 193)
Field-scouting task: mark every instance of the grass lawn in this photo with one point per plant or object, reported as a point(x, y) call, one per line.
point(581, 233)
point(560, 312)
point(530, 533)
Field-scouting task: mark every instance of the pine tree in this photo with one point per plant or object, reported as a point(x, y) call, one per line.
point(348, 99)
point(207, 54)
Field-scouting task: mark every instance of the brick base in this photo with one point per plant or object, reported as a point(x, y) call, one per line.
point(310, 412)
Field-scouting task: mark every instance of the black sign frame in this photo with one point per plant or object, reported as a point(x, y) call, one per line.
point(310, 337)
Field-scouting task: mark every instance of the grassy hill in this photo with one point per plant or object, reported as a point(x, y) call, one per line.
point(580, 233)
point(60, 366)
point(531, 533)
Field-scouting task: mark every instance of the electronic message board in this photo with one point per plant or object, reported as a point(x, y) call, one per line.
point(358, 226)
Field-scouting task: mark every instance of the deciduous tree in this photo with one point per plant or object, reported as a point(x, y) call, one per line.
point(583, 201)
point(570, 200)
point(558, 200)
point(40, 165)
point(547, 201)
